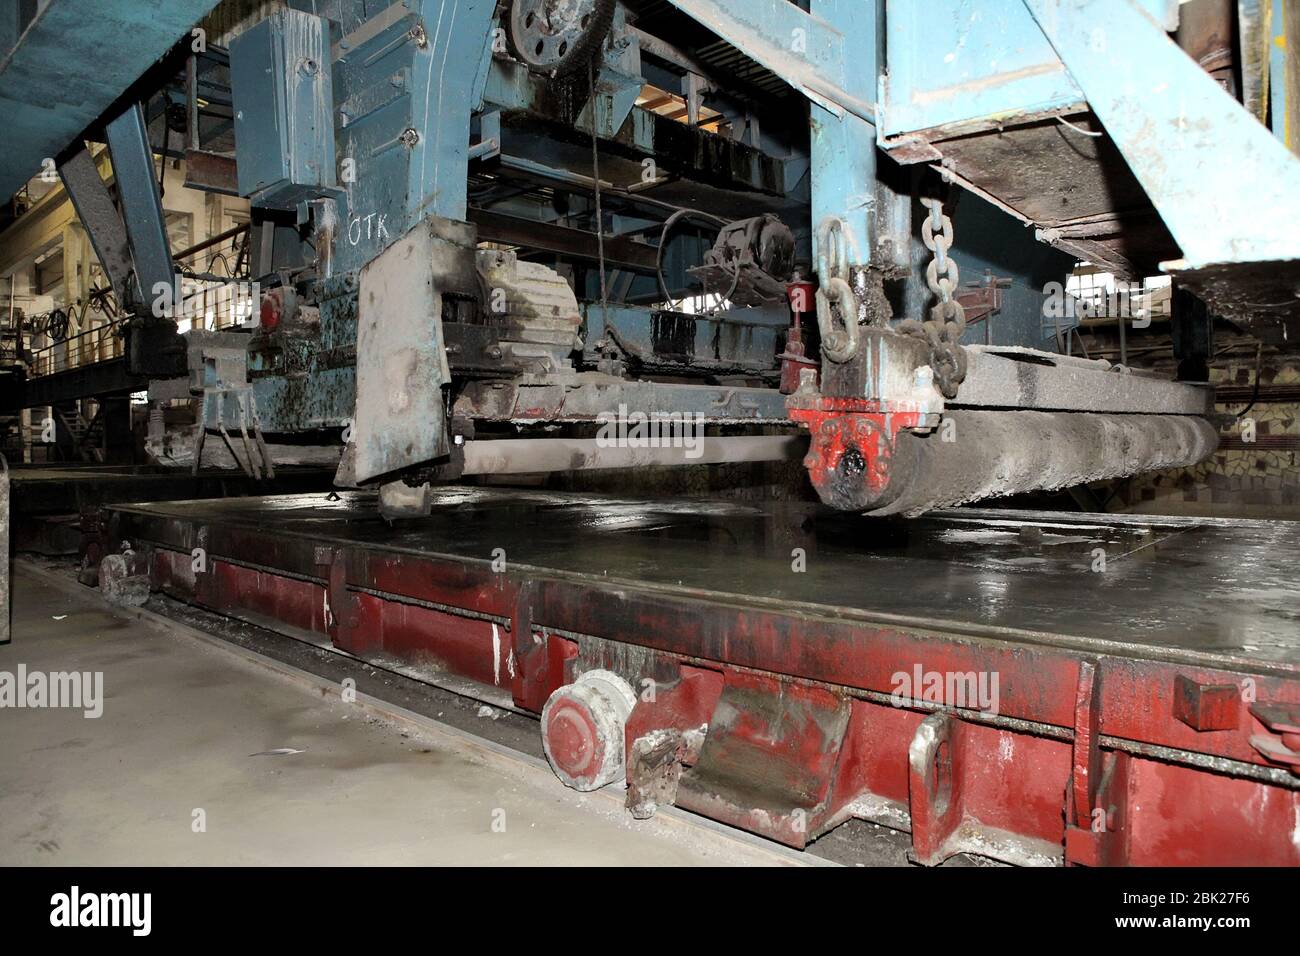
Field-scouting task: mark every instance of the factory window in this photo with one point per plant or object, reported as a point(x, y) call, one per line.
point(1103, 295)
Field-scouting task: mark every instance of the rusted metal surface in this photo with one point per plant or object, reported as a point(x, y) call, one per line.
point(769, 758)
point(885, 440)
point(583, 728)
point(981, 302)
point(851, 452)
point(770, 697)
point(211, 172)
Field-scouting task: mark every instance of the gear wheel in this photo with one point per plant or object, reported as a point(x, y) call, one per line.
point(58, 327)
point(558, 37)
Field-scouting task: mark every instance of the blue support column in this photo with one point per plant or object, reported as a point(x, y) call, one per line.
point(844, 146)
point(448, 77)
point(1277, 60)
point(846, 180)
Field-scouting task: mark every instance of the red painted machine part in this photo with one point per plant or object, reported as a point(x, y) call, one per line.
point(1091, 759)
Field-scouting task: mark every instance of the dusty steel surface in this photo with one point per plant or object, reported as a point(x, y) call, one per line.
point(994, 453)
point(401, 360)
point(1030, 379)
point(1218, 589)
point(515, 456)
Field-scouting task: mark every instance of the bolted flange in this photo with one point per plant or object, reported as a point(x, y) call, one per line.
point(582, 729)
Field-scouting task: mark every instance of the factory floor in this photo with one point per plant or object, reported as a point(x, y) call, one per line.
point(202, 756)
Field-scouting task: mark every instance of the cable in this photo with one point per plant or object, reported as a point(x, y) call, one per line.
point(735, 282)
point(659, 253)
point(219, 257)
point(1079, 129)
point(1259, 357)
point(663, 241)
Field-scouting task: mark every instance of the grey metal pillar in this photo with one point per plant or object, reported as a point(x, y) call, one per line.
point(142, 212)
point(97, 212)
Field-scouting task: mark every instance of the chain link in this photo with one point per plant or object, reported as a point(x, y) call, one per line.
point(943, 329)
point(834, 246)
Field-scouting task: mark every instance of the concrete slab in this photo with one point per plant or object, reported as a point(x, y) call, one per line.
point(187, 726)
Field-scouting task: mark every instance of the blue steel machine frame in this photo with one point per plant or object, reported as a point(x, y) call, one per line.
point(450, 204)
point(428, 127)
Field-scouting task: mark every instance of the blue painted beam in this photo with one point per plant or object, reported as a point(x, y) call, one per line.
point(956, 63)
point(963, 61)
point(1226, 188)
point(1277, 59)
point(802, 48)
point(70, 64)
point(406, 83)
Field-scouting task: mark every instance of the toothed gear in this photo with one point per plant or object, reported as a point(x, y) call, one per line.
point(558, 36)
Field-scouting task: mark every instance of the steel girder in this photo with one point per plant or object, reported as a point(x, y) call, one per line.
point(69, 65)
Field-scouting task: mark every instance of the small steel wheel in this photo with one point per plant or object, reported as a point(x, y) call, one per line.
point(558, 36)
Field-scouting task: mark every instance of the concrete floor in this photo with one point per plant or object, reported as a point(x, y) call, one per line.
point(185, 725)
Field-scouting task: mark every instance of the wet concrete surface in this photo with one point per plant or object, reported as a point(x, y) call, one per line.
point(1223, 589)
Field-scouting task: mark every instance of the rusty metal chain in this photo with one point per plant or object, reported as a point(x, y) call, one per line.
point(834, 247)
point(942, 331)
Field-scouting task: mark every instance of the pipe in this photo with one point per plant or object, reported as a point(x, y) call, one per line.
point(993, 453)
point(212, 241)
point(517, 456)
